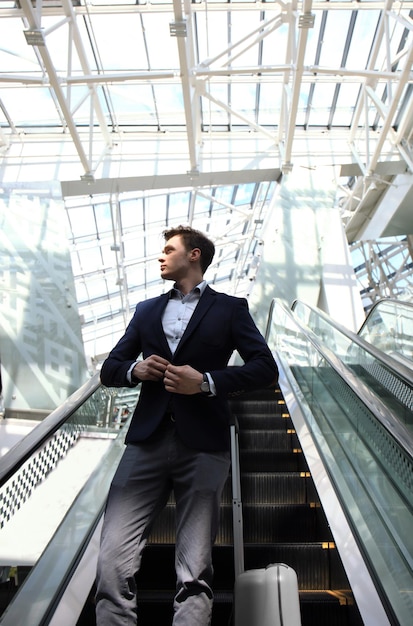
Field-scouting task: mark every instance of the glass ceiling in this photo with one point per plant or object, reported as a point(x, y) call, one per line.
point(149, 113)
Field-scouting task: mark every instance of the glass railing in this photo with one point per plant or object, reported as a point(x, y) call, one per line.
point(370, 470)
point(390, 379)
point(92, 409)
point(389, 327)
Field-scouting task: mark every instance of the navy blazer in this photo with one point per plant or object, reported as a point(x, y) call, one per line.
point(219, 325)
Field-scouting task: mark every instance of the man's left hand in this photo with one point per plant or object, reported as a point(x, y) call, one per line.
point(182, 379)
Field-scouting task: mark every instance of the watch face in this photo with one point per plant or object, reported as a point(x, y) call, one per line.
point(205, 386)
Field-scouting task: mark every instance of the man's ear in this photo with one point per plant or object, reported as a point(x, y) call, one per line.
point(195, 254)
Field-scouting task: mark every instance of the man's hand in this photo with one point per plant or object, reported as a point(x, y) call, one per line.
point(182, 379)
point(151, 368)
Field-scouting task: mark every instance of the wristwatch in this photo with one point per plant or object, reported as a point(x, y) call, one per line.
point(205, 388)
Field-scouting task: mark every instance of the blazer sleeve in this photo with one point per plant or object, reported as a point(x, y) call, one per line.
point(259, 369)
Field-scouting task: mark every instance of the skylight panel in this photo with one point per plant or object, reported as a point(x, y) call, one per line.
point(15, 54)
point(321, 104)
point(242, 24)
point(270, 104)
point(212, 112)
point(346, 102)
point(82, 221)
point(119, 40)
point(212, 36)
point(103, 218)
point(360, 47)
point(131, 211)
point(90, 259)
point(134, 104)
point(334, 38)
point(274, 48)
point(162, 48)
point(244, 100)
point(244, 194)
point(169, 104)
point(31, 106)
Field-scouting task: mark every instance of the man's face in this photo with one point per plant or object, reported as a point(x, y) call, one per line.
point(174, 259)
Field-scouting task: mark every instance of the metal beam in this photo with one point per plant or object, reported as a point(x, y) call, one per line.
point(35, 23)
point(182, 29)
point(305, 21)
point(142, 183)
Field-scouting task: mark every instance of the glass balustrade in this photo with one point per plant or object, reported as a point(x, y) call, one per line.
point(372, 473)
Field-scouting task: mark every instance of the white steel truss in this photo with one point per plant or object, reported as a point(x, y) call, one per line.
point(149, 98)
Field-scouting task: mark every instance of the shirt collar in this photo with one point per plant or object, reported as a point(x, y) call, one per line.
point(198, 289)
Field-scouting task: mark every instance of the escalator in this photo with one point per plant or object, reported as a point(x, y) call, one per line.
point(326, 482)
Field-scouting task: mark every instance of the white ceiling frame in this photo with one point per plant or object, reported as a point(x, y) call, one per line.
point(387, 111)
point(240, 116)
point(77, 39)
point(361, 202)
point(121, 282)
point(264, 28)
point(251, 222)
point(35, 24)
point(225, 205)
point(305, 21)
point(372, 61)
point(402, 79)
point(228, 247)
point(148, 7)
point(187, 60)
point(33, 18)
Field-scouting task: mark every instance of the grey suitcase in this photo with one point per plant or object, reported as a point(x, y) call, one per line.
point(266, 596)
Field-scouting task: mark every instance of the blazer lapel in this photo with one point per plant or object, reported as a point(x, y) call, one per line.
point(156, 314)
point(205, 302)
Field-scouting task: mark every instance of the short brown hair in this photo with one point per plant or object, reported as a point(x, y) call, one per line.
point(194, 239)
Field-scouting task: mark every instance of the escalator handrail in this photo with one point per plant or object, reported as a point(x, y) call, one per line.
point(387, 418)
point(22, 451)
point(408, 305)
point(397, 368)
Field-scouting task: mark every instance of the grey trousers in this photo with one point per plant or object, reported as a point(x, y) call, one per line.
point(140, 489)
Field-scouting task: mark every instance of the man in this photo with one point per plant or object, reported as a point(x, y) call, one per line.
point(179, 433)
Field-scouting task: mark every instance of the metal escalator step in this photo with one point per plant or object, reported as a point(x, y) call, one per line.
point(272, 461)
point(264, 523)
point(317, 566)
point(272, 487)
point(326, 609)
point(275, 440)
point(260, 395)
point(271, 524)
point(267, 407)
point(268, 421)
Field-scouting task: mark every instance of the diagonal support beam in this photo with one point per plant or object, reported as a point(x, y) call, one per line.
point(34, 23)
point(69, 12)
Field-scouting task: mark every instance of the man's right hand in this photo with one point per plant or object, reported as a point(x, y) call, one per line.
point(151, 368)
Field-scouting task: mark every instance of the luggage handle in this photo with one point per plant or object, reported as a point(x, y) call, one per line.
point(237, 520)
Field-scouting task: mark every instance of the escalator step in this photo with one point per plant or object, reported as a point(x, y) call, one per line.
point(316, 565)
point(271, 524)
point(271, 487)
point(272, 461)
point(268, 421)
point(275, 440)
